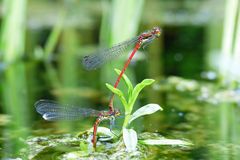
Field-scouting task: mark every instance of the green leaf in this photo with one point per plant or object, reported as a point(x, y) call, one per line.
point(102, 130)
point(164, 141)
point(145, 110)
point(127, 82)
point(119, 93)
point(138, 89)
point(130, 139)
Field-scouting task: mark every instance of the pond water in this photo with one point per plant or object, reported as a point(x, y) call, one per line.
point(196, 112)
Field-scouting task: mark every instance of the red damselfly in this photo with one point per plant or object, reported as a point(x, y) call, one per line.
point(53, 111)
point(94, 61)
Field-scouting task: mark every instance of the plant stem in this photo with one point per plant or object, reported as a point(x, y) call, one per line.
point(126, 120)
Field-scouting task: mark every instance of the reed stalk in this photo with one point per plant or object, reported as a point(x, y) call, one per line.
point(120, 21)
point(231, 12)
point(14, 85)
point(236, 51)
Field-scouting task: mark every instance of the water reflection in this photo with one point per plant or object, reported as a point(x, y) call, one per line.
point(16, 107)
point(213, 128)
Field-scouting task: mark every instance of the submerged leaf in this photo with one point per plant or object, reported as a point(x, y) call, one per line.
point(130, 139)
point(145, 110)
point(166, 142)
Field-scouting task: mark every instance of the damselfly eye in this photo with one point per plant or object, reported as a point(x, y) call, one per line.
point(117, 112)
point(157, 31)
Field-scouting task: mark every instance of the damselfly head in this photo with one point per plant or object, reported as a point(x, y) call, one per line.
point(156, 31)
point(117, 112)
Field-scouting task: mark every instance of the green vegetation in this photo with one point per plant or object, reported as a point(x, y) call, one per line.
point(230, 53)
point(195, 66)
point(14, 83)
point(128, 100)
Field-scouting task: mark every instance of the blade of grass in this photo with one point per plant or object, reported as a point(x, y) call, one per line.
point(54, 37)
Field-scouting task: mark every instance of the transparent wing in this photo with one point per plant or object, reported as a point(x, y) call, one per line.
point(94, 61)
point(53, 111)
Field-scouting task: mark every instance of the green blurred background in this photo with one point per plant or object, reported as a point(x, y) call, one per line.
point(42, 43)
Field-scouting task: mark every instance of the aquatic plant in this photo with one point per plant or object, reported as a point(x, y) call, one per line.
point(130, 137)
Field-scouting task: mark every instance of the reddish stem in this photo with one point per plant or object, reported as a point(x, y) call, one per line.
point(137, 46)
point(98, 120)
point(94, 138)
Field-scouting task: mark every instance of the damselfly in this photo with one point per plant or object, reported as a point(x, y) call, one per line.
point(94, 61)
point(53, 111)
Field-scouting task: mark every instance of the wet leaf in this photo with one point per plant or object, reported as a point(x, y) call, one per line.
point(105, 131)
point(145, 110)
point(130, 139)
